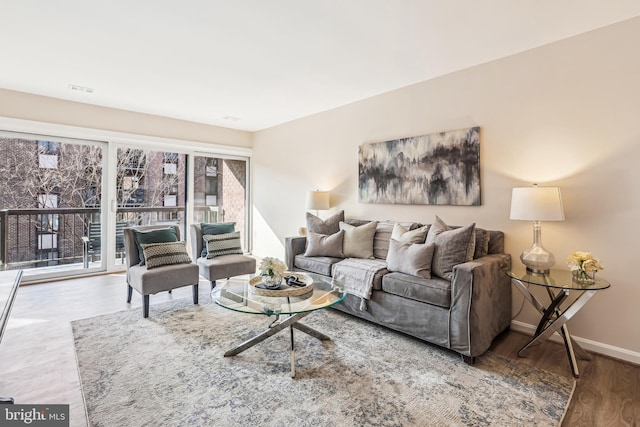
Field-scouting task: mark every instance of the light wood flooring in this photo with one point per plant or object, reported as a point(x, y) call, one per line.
point(37, 357)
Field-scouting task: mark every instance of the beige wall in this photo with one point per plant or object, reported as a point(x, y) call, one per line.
point(19, 105)
point(565, 114)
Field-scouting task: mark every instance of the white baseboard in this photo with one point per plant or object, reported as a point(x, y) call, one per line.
point(594, 346)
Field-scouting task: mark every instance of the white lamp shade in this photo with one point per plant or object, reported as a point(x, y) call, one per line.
point(318, 200)
point(536, 204)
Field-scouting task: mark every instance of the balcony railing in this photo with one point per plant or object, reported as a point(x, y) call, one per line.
point(34, 238)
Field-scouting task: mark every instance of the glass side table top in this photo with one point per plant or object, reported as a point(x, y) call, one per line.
point(237, 294)
point(560, 279)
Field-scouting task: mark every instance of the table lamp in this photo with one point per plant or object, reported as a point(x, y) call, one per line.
point(537, 204)
point(318, 200)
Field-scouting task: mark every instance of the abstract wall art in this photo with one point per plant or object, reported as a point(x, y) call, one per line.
point(436, 169)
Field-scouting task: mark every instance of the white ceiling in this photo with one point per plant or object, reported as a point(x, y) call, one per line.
point(266, 62)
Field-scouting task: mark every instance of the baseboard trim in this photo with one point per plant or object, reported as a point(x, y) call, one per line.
point(594, 346)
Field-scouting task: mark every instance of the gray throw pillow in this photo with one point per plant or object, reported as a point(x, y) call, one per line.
point(159, 254)
point(482, 243)
point(325, 245)
point(327, 226)
point(358, 241)
point(222, 244)
point(410, 258)
point(215, 228)
point(405, 235)
point(452, 247)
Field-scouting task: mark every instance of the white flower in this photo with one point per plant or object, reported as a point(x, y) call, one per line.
point(272, 267)
point(583, 261)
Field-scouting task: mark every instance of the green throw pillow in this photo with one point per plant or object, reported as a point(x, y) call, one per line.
point(159, 254)
point(157, 235)
point(213, 229)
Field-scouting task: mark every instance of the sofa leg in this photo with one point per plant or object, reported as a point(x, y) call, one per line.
point(129, 293)
point(469, 360)
point(213, 284)
point(195, 293)
point(145, 306)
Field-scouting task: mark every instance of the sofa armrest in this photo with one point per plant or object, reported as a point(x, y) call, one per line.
point(293, 246)
point(480, 303)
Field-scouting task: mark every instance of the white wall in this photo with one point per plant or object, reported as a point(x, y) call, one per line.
point(19, 105)
point(564, 114)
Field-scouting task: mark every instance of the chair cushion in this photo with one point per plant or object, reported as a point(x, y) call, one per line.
point(157, 235)
point(215, 228)
point(162, 278)
point(325, 245)
point(433, 291)
point(222, 244)
point(224, 266)
point(358, 240)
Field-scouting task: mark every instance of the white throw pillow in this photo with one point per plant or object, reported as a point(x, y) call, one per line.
point(358, 241)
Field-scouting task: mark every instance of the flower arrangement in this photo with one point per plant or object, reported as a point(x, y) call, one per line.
point(583, 266)
point(272, 267)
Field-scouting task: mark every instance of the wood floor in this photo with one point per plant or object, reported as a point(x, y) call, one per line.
point(37, 357)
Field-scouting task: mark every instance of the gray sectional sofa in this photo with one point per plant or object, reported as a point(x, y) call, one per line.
point(464, 310)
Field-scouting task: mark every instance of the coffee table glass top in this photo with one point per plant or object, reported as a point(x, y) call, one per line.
point(560, 279)
point(237, 294)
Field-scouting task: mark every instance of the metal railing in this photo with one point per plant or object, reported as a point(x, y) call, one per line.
point(33, 238)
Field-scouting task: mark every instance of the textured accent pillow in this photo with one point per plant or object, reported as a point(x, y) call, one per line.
point(215, 228)
point(452, 247)
point(327, 226)
point(358, 241)
point(482, 243)
point(410, 258)
point(222, 244)
point(381, 239)
point(158, 235)
point(325, 245)
point(159, 254)
point(405, 235)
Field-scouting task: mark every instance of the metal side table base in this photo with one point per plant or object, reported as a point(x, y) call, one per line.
point(554, 320)
point(276, 326)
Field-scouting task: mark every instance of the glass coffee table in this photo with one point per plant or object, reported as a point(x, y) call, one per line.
point(240, 295)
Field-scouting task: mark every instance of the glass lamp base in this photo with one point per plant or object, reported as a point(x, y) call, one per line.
point(537, 260)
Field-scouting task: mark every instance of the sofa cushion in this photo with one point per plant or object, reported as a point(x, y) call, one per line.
point(316, 264)
point(327, 226)
point(452, 247)
point(170, 253)
point(496, 242)
point(358, 241)
point(410, 258)
point(381, 239)
point(433, 291)
point(405, 235)
point(325, 245)
point(222, 244)
point(482, 243)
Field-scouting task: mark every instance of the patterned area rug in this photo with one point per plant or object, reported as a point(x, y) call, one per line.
point(169, 370)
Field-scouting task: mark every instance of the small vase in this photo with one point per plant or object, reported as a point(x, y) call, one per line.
point(584, 277)
point(271, 282)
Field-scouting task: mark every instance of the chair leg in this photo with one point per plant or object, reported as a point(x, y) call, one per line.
point(213, 284)
point(170, 290)
point(195, 293)
point(145, 306)
point(129, 292)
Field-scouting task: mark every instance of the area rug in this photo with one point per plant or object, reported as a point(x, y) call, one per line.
point(169, 370)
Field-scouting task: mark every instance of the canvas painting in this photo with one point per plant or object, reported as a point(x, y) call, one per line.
point(436, 169)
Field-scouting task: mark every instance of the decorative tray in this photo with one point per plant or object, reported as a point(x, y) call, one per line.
point(283, 290)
